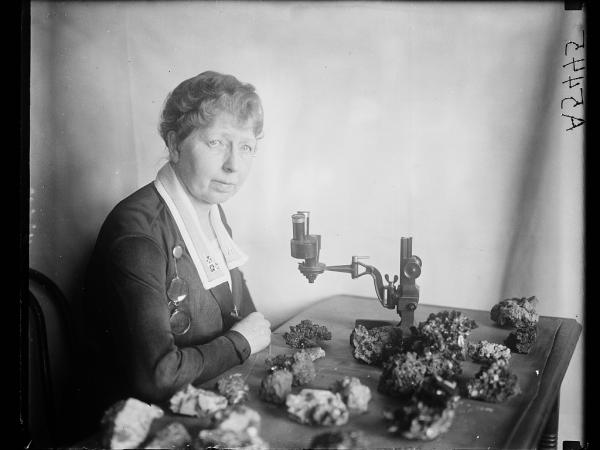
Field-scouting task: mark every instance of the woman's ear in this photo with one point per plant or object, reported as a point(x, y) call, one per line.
point(172, 144)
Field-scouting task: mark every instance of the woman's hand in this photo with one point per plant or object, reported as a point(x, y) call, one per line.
point(256, 329)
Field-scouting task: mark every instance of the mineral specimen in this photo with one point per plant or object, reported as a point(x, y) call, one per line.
point(442, 332)
point(339, 440)
point(126, 423)
point(234, 427)
point(420, 421)
point(494, 383)
point(300, 364)
point(488, 352)
point(276, 386)
point(441, 364)
point(355, 394)
point(280, 362)
point(303, 369)
point(210, 402)
point(234, 388)
point(315, 352)
point(185, 401)
point(402, 374)
point(192, 401)
point(436, 391)
point(375, 345)
point(236, 418)
point(515, 312)
point(226, 439)
point(317, 407)
point(429, 413)
point(522, 339)
point(173, 435)
point(306, 334)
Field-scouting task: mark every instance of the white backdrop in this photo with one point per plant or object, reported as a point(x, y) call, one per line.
point(436, 121)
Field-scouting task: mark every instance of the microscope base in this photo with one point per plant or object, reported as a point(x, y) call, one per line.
point(371, 323)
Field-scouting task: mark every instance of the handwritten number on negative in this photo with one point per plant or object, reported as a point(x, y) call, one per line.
point(575, 102)
point(570, 81)
point(577, 46)
point(573, 123)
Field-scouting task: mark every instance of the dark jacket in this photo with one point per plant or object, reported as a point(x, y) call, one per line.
point(133, 352)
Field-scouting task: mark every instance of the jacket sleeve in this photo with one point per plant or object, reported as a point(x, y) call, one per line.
point(156, 367)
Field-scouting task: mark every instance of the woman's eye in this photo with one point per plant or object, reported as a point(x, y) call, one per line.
point(247, 149)
point(214, 143)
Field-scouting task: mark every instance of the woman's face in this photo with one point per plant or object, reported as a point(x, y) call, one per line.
point(212, 163)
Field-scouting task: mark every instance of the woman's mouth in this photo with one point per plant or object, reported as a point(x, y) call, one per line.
point(224, 187)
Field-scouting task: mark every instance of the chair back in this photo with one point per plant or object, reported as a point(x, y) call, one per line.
point(51, 358)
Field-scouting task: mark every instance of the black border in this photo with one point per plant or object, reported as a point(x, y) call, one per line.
point(23, 28)
point(24, 24)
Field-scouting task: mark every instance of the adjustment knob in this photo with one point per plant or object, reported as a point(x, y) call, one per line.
point(412, 269)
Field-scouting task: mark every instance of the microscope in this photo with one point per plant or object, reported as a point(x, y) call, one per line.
point(404, 297)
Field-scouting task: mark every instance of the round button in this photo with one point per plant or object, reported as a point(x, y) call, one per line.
point(412, 269)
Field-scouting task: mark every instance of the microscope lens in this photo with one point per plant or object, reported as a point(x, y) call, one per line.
point(298, 226)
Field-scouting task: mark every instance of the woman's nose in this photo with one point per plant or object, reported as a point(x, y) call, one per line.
point(232, 160)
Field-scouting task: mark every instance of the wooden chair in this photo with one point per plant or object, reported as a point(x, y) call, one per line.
point(52, 390)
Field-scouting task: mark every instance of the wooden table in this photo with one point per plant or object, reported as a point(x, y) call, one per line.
point(521, 422)
point(529, 420)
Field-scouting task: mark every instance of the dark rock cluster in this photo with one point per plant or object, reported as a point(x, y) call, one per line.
point(306, 334)
point(515, 312)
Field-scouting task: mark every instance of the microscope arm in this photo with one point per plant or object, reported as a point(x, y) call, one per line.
point(380, 289)
point(352, 269)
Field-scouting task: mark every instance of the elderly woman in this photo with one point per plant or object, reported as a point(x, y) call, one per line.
point(166, 302)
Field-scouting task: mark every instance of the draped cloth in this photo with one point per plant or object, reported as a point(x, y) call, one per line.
point(204, 256)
